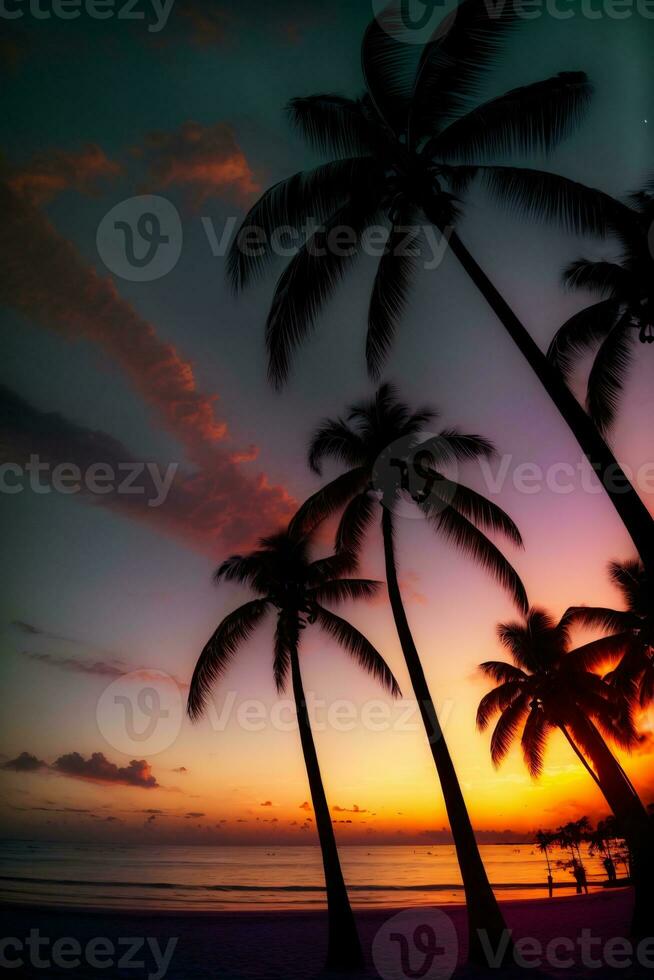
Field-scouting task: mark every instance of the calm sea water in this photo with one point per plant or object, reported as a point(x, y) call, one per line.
point(254, 878)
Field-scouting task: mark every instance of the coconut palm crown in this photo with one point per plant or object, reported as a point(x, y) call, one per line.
point(403, 153)
point(623, 314)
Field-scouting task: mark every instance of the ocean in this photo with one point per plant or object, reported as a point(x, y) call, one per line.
point(153, 877)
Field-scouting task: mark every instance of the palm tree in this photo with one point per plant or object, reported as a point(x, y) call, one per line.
point(550, 686)
point(600, 840)
point(624, 310)
point(544, 840)
point(287, 583)
point(388, 457)
point(403, 153)
point(634, 673)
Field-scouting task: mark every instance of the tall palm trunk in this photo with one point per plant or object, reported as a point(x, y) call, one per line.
point(484, 914)
point(631, 509)
point(343, 945)
point(633, 818)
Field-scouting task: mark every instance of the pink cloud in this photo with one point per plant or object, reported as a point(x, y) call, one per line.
point(50, 173)
point(44, 277)
point(205, 160)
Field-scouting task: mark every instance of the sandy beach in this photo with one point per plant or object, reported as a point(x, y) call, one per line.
point(290, 945)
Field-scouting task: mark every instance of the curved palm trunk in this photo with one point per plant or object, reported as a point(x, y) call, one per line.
point(343, 946)
point(484, 915)
point(633, 818)
point(631, 509)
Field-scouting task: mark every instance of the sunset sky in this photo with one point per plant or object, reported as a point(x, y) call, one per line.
point(172, 371)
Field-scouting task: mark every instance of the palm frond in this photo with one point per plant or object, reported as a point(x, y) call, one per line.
point(292, 203)
point(630, 578)
point(599, 617)
point(451, 446)
point(496, 701)
point(534, 742)
point(483, 513)
point(244, 569)
point(310, 279)
point(345, 589)
point(359, 647)
point(606, 650)
point(332, 124)
point(534, 118)
point(606, 278)
point(540, 195)
point(235, 629)
point(334, 566)
point(390, 289)
point(607, 375)
point(507, 728)
point(527, 642)
point(389, 66)
point(502, 672)
point(329, 499)
point(354, 522)
point(580, 333)
point(335, 439)
point(454, 63)
point(473, 542)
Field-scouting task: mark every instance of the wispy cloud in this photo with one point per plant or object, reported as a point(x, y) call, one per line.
point(206, 161)
point(45, 278)
point(48, 174)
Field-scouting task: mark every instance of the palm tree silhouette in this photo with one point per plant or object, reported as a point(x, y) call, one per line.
point(383, 443)
point(403, 153)
point(550, 686)
point(625, 312)
point(289, 584)
point(634, 673)
point(545, 840)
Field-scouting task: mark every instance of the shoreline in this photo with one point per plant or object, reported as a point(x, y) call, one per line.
point(290, 945)
point(114, 912)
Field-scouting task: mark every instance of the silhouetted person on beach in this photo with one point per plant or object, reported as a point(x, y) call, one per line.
point(609, 867)
point(580, 877)
point(550, 884)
